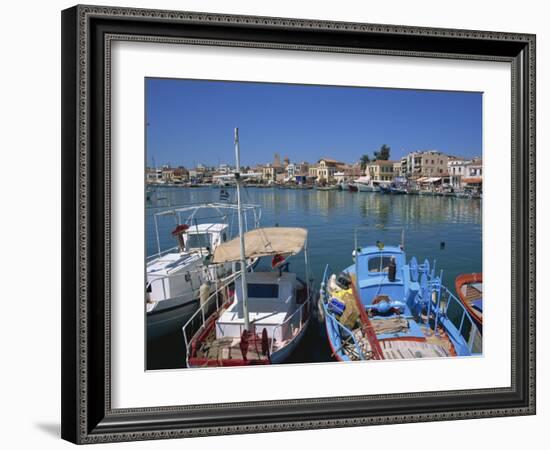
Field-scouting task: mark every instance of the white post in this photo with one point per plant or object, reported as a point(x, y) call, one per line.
point(241, 233)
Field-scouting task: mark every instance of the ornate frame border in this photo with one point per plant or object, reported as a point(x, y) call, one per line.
point(88, 32)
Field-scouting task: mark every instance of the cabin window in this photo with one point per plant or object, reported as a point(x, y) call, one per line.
point(379, 263)
point(257, 290)
point(198, 240)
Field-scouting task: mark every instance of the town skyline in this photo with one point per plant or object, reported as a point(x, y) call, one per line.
point(190, 122)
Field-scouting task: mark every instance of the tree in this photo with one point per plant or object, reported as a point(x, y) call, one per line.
point(364, 161)
point(383, 154)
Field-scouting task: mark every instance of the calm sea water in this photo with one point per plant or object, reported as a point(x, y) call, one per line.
point(444, 229)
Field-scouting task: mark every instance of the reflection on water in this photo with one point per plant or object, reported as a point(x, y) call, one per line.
point(331, 217)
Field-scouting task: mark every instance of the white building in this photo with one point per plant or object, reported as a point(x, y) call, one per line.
point(457, 169)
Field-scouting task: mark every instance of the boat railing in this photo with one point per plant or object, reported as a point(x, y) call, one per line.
point(198, 321)
point(345, 334)
point(162, 253)
point(291, 326)
point(332, 319)
point(177, 213)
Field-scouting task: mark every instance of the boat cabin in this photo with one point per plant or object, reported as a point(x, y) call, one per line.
point(373, 273)
point(271, 301)
point(203, 236)
point(174, 272)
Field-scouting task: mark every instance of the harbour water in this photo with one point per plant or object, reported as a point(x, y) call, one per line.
point(446, 229)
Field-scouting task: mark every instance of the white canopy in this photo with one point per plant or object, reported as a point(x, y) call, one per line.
point(263, 242)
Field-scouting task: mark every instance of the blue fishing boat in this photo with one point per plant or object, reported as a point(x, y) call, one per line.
point(392, 189)
point(385, 307)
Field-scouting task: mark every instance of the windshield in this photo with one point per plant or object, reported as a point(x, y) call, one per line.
point(198, 240)
point(257, 290)
point(379, 263)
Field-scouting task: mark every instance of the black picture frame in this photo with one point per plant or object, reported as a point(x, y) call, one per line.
point(87, 32)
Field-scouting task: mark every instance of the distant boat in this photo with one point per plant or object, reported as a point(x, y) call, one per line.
point(352, 187)
point(383, 307)
point(469, 288)
point(344, 185)
point(365, 184)
point(392, 189)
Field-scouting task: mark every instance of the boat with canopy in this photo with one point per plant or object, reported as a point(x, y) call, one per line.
point(261, 316)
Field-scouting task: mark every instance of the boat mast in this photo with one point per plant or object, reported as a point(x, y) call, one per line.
point(241, 232)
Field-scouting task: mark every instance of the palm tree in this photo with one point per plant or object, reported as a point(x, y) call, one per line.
point(383, 154)
point(364, 161)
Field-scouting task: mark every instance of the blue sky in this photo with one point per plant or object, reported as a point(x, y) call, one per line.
point(192, 121)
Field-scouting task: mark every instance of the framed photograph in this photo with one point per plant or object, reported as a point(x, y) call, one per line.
point(281, 224)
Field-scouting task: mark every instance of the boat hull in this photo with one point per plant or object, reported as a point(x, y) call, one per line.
point(170, 319)
point(461, 281)
point(283, 354)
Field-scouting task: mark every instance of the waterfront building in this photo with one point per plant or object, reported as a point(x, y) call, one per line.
point(456, 167)
point(270, 172)
point(397, 168)
point(312, 171)
point(428, 163)
point(290, 170)
point(224, 169)
point(153, 175)
point(326, 168)
point(167, 174)
point(180, 174)
point(381, 170)
point(473, 179)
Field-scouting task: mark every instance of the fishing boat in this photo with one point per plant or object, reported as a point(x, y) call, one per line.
point(469, 288)
point(385, 307)
point(392, 189)
point(176, 277)
point(262, 316)
point(365, 184)
point(343, 185)
point(328, 187)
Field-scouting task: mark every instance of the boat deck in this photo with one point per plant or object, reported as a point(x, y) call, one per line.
point(407, 349)
point(226, 351)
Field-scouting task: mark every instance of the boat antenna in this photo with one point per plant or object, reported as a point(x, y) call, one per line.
point(241, 232)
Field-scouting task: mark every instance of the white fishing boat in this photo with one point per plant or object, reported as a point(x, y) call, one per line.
point(344, 185)
point(178, 276)
point(262, 316)
point(365, 184)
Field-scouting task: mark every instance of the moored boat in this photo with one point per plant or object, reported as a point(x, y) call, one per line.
point(343, 185)
point(262, 316)
point(365, 184)
point(328, 187)
point(385, 307)
point(469, 288)
point(175, 276)
point(392, 189)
